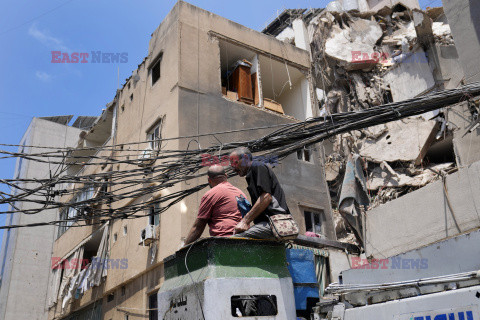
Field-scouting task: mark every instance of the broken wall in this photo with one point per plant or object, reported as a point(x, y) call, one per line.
point(425, 216)
point(410, 78)
point(464, 19)
point(466, 137)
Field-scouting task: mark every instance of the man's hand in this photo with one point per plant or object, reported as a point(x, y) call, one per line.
point(241, 227)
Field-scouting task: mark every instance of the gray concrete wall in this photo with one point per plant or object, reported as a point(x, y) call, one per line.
point(433, 258)
point(466, 144)
point(423, 217)
point(27, 268)
point(447, 69)
point(464, 19)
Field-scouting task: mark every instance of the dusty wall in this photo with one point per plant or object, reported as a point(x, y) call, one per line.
point(448, 69)
point(27, 266)
point(465, 143)
point(423, 217)
point(134, 118)
point(464, 19)
point(133, 299)
point(410, 78)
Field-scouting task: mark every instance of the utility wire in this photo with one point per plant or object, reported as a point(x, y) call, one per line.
point(179, 166)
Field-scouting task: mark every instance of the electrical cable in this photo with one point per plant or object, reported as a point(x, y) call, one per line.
point(172, 167)
point(191, 278)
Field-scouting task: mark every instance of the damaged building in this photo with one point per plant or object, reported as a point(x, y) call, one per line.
point(392, 190)
point(207, 78)
point(365, 56)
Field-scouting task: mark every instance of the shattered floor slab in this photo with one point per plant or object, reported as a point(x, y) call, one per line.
point(360, 37)
point(404, 140)
point(385, 178)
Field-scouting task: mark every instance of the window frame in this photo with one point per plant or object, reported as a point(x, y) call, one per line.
point(156, 63)
point(153, 215)
point(152, 314)
point(154, 136)
point(71, 212)
point(312, 212)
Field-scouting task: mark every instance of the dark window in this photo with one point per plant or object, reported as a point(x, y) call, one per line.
point(131, 97)
point(91, 247)
point(63, 225)
point(110, 297)
point(314, 221)
point(152, 306)
point(156, 71)
point(128, 84)
point(251, 306)
point(124, 290)
point(154, 215)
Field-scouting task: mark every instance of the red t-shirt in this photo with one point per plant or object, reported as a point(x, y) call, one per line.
point(219, 207)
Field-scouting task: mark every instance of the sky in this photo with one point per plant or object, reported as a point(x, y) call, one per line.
point(32, 86)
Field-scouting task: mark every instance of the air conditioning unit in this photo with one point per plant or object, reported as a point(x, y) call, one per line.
point(147, 235)
point(147, 157)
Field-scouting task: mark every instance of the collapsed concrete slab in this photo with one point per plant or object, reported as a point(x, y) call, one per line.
point(385, 178)
point(410, 78)
point(359, 36)
point(405, 140)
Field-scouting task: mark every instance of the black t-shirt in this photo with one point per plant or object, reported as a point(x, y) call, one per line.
point(260, 179)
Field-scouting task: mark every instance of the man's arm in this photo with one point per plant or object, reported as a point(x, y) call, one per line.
point(196, 230)
point(260, 205)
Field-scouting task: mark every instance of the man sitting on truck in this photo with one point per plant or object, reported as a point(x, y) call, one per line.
point(266, 194)
point(218, 207)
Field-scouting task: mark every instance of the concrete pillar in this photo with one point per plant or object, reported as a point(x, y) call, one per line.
point(308, 99)
point(302, 40)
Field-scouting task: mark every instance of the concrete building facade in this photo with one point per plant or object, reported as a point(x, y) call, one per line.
point(464, 19)
point(183, 88)
point(26, 252)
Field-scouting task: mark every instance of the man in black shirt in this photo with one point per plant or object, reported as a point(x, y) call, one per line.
point(266, 195)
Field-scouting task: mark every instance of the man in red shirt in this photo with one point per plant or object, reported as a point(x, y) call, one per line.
point(218, 207)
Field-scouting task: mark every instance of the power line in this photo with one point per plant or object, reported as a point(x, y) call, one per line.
point(184, 165)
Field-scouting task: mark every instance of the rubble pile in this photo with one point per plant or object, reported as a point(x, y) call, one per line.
point(352, 52)
point(354, 57)
point(363, 59)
